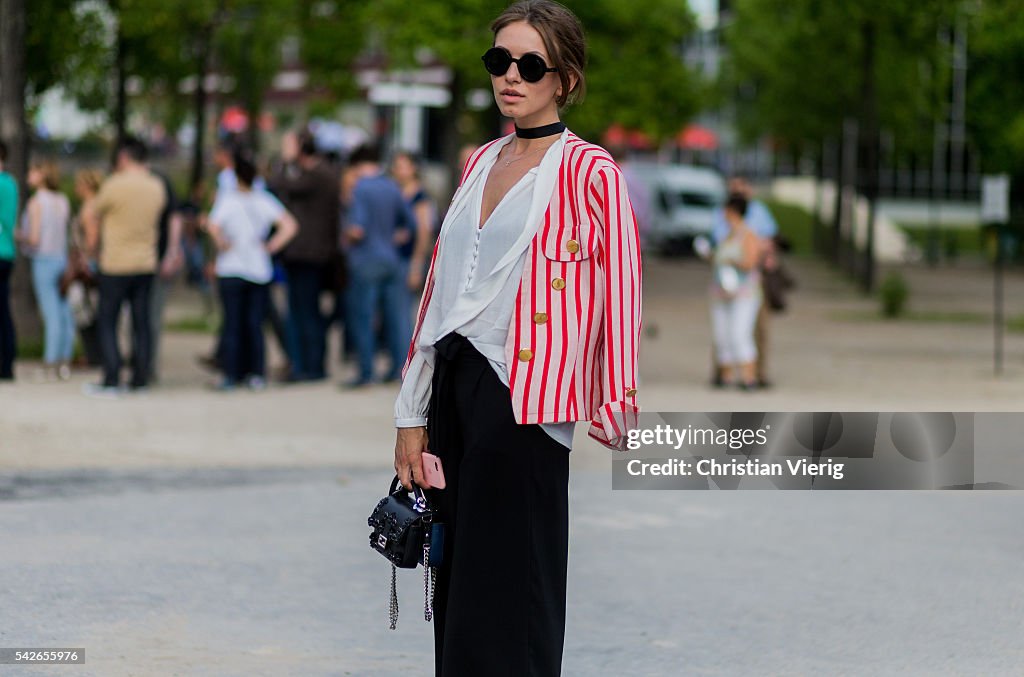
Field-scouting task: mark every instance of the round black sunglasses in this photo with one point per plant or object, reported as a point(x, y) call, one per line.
point(532, 67)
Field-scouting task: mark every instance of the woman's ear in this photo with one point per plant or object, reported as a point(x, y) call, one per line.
point(572, 85)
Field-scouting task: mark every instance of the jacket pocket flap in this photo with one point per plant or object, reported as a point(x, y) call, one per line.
point(575, 242)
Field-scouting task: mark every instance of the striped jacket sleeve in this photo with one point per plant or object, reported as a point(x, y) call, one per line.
point(615, 410)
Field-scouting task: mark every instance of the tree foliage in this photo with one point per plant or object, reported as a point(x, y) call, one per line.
point(635, 74)
point(995, 100)
point(67, 43)
point(798, 66)
point(333, 33)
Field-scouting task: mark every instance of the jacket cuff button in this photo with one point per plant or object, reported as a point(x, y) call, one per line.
point(631, 392)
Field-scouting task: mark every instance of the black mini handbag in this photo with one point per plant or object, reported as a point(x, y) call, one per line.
point(403, 529)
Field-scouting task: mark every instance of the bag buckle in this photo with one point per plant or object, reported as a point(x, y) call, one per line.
point(382, 541)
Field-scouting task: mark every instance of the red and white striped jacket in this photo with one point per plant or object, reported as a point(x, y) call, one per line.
point(574, 338)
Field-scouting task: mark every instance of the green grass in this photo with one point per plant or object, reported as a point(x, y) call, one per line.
point(796, 225)
point(1014, 324)
point(951, 242)
point(199, 324)
point(30, 350)
point(923, 316)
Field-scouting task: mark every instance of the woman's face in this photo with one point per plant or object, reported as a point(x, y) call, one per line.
point(82, 189)
point(290, 146)
point(35, 177)
point(518, 99)
point(402, 169)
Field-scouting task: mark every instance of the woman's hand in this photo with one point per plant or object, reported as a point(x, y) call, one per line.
point(415, 279)
point(409, 448)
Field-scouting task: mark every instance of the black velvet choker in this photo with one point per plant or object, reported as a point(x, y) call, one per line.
point(542, 131)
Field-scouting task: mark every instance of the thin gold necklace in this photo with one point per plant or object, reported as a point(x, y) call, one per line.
point(508, 162)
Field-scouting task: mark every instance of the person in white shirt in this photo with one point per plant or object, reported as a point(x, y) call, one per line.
point(240, 223)
point(760, 221)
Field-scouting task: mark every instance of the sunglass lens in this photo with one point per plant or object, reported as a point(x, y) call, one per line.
point(532, 67)
point(497, 61)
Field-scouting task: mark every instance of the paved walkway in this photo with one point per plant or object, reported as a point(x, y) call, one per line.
point(821, 359)
point(186, 532)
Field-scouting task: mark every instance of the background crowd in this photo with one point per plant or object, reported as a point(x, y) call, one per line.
point(300, 244)
point(296, 245)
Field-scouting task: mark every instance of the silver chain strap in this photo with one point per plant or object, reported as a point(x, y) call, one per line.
point(428, 584)
point(394, 600)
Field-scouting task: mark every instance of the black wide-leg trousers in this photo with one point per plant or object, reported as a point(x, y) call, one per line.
point(499, 603)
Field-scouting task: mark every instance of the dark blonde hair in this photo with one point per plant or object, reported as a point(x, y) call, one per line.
point(50, 172)
point(413, 159)
point(91, 178)
point(563, 38)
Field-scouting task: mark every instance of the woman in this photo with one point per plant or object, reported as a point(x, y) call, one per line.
point(45, 236)
point(736, 298)
point(529, 321)
point(405, 169)
point(82, 296)
point(240, 223)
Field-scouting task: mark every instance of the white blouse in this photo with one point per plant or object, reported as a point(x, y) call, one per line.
point(465, 267)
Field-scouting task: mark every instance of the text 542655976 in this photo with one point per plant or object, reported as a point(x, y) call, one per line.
point(50, 656)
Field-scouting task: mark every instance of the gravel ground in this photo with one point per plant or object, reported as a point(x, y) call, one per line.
point(187, 532)
point(266, 572)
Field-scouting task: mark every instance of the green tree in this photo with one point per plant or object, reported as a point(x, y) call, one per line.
point(635, 73)
point(333, 33)
point(995, 101)
point(801, 67)
point(67, 43)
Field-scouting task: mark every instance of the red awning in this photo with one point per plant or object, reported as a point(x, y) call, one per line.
point(234, 120)
point(617, 135)
point(695, 137)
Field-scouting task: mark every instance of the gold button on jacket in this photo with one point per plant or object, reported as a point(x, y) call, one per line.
point(540, 318)
point(631, 392)
point(572, 246)
point(525, 355)
point(558, 283)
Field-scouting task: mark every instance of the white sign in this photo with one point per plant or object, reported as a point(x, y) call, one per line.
point(395, 94)
point(995, 198)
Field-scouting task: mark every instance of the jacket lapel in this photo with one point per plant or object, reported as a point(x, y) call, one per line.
point(460, 201)
point(471, 302)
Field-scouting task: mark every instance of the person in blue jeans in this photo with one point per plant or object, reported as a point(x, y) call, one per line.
point(45, 237)
point(8, 223)
point(308, 187)
point(379, 217)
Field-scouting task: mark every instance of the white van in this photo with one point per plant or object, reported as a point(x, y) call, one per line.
point(682, 200)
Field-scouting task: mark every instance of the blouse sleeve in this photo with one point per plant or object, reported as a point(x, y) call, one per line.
point(617, 412)
point(414, 396)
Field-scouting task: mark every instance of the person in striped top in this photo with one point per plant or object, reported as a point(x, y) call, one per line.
point(529, 321)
